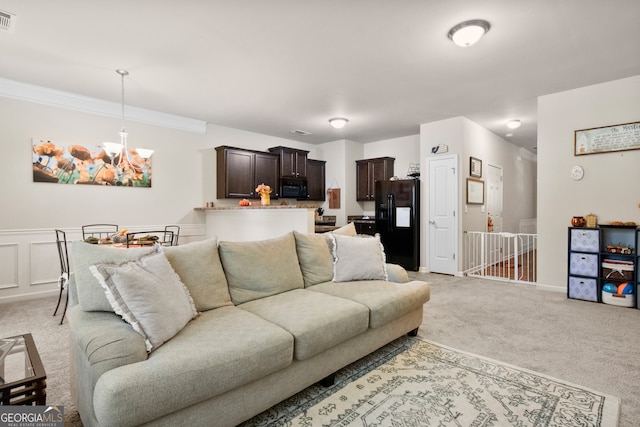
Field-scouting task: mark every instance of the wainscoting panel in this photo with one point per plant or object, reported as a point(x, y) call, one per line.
point(8, 266)
point(44, 263)
point(29, 264)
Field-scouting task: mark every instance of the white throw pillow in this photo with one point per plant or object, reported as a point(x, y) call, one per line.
point(149, 295)
point(358, 258)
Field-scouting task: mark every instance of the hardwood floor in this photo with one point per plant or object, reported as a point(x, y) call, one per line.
point(526, 268)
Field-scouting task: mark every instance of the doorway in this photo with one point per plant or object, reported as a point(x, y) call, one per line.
point(443, 222)
point(494, 199)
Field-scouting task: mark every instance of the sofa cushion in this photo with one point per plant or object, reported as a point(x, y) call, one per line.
point(317, 321)
point(90, 293)
point(386, 300)
point(345, 230)
point(396, 273)
point(149, 295)
point(261, 268)
point(218, 351)
point(199, 267)
point(106, 341)
point(315, 257)
point(358, 258)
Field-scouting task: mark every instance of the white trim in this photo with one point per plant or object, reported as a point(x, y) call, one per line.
point(57, 98)
point(551, 288)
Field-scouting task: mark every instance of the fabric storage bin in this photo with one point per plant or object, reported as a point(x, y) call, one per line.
point(583, 288)
point(583, 264)
point(585, 240)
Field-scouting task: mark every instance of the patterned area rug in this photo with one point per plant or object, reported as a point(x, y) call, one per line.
point(412, 382)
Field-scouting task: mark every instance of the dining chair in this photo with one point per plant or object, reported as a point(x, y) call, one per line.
point(65, 271)
point(176, 233)
point(99, 231)
point(151, 237)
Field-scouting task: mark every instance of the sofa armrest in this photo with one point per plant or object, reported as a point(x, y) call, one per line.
point(104, 340)
point(397, 273)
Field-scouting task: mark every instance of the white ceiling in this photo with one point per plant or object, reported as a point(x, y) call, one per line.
point(274, 66)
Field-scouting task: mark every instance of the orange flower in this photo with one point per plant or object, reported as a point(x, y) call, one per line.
point(263, 190)
point(48, 149)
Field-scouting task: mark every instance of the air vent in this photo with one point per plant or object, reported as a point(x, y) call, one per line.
point(300, 132)
point(7, 21)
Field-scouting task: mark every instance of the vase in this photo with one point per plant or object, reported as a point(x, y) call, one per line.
point(265, 200)
point(578, 221)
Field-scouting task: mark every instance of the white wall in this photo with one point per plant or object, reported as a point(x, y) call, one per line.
point(32, 210)
point(466, 138)
point(177, 173)
point(609, 187)
point(519, 177)
point(336, 172)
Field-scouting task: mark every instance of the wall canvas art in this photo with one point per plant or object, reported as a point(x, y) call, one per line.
point(83, 164)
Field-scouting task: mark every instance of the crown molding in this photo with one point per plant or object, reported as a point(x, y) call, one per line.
point(85, 104)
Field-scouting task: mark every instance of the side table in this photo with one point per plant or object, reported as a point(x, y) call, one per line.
point(22, 375)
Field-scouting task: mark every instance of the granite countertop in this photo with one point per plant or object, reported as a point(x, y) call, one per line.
point(257, 206)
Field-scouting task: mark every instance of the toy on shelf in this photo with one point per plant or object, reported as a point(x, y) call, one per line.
point(621, 294)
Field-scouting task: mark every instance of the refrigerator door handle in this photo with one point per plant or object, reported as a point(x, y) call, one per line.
point(390, 212)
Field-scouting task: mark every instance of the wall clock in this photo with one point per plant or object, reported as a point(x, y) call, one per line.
point(577, 173)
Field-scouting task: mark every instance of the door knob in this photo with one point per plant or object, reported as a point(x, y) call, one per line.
point(432, 222)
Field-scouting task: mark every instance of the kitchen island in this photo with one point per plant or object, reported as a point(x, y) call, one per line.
point(250, 223)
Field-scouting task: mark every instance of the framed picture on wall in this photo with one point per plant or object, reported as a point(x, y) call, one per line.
point(475, 167)
point(475, 191)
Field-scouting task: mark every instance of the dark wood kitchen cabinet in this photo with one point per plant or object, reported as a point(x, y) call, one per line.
point(368, 171)
point(293, 162)
point(240, 171)
point(316, 180)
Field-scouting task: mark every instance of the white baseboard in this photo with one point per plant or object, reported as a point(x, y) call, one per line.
point(551, 288)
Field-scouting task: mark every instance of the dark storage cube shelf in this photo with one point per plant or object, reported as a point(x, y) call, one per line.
point(597, 256)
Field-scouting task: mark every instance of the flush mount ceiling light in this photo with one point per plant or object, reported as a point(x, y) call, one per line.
point(514, 124)
point(338, 122)
point(468, 33)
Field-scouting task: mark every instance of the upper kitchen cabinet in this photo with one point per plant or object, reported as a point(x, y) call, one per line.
point(293, 162)
point(240, 171)
point(368, 171)
point(316, 179)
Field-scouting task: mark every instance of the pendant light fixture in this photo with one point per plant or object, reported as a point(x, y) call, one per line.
point(468, 33)
point(128, 168)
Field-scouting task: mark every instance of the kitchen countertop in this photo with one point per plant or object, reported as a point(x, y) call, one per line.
point(228, 208)
point(360, 218)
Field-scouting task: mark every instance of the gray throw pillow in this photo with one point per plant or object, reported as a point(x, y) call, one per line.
point(261, 268)
point(315, 257)
point(199, 267)
point(358, 258)
point(91, 296)
point(149, 296)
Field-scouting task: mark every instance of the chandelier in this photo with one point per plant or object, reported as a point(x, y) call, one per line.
point(131, 168)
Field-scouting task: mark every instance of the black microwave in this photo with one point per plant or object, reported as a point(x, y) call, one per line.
point(293, 188)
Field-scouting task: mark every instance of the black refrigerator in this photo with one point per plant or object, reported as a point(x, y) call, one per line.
point(398, 221)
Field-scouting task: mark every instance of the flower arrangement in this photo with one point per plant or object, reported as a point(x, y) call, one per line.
point(264, 191)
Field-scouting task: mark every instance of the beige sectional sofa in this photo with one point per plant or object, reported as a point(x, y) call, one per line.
point(214, 333)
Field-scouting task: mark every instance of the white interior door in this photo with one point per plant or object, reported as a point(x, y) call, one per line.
point(494, 197)
point(443, 223)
